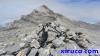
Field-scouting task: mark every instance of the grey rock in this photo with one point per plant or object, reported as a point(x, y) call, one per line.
point(44, 52)
point(57, 42)
point(51, 36)
point(24, 52)
point(7, 55)
point(71, 45)
point(35, 43)
point(11, 49)
point(62, 37)
point(27, 50)
point(33, 52)
point(70, 34)
point(53, 52)
point(2, 52)
point(22, 44)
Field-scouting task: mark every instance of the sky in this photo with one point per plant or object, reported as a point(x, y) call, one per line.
point(84, 10)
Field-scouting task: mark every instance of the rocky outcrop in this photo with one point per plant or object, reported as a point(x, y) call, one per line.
point(47, 40)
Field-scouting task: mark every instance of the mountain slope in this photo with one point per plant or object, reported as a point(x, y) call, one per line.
point(92, 27)
point(39, 15)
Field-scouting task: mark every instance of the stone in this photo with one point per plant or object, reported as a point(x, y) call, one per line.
point(28, 38)
point(22, 44)
point(51, 36)
point(57, 42)
point(33, 52)
point(22, 35)
point(11, 49)
point(2, 52)
point(12, 43)
point(82, 41)
point(35, 43)
point(62, 28)
point(7, 55)
point(21, 53)
point(70, 34)
point(53, 52)
point(71, 45)
point(44, 52)
point(24, 52)
point(62, 37)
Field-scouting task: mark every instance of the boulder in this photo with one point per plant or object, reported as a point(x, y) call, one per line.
point(44, 52)
point(51, 36)
point(70, 34)
point(24, 52)
point(57, 42)
point(35, 43)
point(62, 37)
point(21, 53)
point(2, 52)
point(12, 49)
point(22, 44)
point(33, 52)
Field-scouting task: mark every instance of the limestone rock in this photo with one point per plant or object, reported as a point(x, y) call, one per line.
point(33, 52)
point(35, 43)
point(11, 49)
point(7, 55)
point(43, 52)
point(21, 53)
point(57, 42)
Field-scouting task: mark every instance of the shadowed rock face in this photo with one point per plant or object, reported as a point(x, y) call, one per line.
point(44, 33)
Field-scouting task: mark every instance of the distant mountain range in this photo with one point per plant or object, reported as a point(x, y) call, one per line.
point(89, 26)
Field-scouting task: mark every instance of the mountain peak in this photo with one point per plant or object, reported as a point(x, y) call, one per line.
point(43, 8)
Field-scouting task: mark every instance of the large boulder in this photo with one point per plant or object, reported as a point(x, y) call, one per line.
point(57, 42)
point(51, 36)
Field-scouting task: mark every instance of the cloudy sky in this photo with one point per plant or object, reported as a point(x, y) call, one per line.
point(84, 10)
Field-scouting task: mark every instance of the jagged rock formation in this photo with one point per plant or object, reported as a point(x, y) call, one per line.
point(47, 40)
point(42, 33)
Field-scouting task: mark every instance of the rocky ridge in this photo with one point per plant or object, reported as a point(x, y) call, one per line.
point(47, 40)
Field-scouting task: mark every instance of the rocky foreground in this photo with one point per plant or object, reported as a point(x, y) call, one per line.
point(47, 40)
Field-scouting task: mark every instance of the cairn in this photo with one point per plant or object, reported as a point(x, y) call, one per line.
point(49, 38)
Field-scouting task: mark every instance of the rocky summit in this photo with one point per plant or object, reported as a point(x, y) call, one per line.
point(45, 33)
